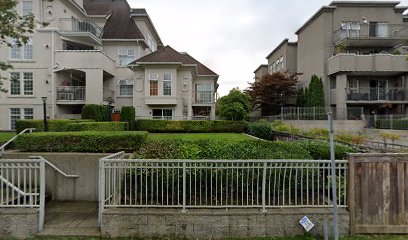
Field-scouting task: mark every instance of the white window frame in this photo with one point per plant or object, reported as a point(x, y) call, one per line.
point(23, 81)
point(21, 115)
point(23, 51)
point(162, 117)
point(126, 84)
point(354, 89)
point(153, 76)
point(168, 81)
point(150, 43)
point(126, 56)
point(26, 11)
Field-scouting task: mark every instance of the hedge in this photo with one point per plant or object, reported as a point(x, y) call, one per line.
point(320, 150)
point(261, 129)
point(399, 124)
point(81, 141)
point(98, 126)
point(128, 114)
point(188, 126)
point(210, 149)
point(53, 125)
point(99, 113)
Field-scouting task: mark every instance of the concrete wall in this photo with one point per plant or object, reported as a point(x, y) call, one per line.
point(339, 125)
point(83, 188)
point(18, 223)
point(210, 224)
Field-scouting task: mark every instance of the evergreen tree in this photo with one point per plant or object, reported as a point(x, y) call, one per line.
point(313, 96)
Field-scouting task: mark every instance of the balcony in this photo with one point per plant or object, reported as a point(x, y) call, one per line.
point(377, 95)
point(108, 96)
point(70, 95)
point(81, 29)
point(85, 59)
point(203, 97)
point(386, 63)
point(372, 35)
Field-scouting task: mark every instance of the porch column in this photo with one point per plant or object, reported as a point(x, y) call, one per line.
point(341, 96)
point(94, 86)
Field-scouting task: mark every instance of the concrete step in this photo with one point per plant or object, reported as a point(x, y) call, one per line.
point(70, 232)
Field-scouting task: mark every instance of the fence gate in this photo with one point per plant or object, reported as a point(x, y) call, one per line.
point(378, 198)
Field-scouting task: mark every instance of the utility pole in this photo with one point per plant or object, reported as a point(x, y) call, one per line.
point(333, 176)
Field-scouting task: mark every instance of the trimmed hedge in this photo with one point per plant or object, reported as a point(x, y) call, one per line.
point(399, 124)
point(320, 150)
point(53, 125)
point(98, 126)
point(99, 113)
point(81, 141)
point(261, 129)
point(128, 114)
point(188, 126)
point(210, 149)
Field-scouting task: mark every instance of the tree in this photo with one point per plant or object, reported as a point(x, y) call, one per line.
point(13, 30)
point(234, 106)
point(272, 90)
point(312, 96)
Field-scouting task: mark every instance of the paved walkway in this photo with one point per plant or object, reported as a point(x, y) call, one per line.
point(71, 219)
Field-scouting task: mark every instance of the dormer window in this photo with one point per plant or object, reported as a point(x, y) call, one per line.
point(126, 56)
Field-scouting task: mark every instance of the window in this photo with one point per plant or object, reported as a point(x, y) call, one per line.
point(20, 113)
point(167, 84)
point(166, 114)
point(150, 43)
point(379, 29)
point(21, 53)
point(281, 63)
point(126, 87)
point(20, 81)
point(353, 86)
point(203, 93)
point(349, 29)
point(27, 7)
point(154, 88)
point(126, 56)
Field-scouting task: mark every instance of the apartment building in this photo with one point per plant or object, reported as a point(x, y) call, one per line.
point(80, 57)
point(359, 50)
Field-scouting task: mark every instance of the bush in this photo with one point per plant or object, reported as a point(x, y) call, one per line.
point(321, 150)
point(398, 124)
point(205, 149)
point(99, 113)
point(261, 129)
point(350, 138)
point(81, 141)
point(128, 114)
point(53, 125)
point(98, 126)
point(205, 126)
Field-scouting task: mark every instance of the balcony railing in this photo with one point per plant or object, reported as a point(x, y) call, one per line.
point(203, 97)
point(80, 25)
point(367, 31)
point(71, 93)
point(108, 95)
point(377, 94)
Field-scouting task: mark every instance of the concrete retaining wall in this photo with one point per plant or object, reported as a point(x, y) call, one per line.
point(18, 222)
point(84, 188)
point(210, 224)
point(339, 125)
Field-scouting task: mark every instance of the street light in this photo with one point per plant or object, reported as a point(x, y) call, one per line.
point(44, 99)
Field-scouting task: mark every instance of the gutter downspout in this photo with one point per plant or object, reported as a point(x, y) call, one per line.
point(53, 74)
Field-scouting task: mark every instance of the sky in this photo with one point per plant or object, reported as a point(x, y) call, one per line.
point(231, 37)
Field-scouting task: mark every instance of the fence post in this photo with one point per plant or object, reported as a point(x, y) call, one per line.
point(281, 113)
point(184, 187)
point(391, 122)
point(264, 188)
point(314, 113)
point(297, 112)
point(42, 196)
point(101, 191)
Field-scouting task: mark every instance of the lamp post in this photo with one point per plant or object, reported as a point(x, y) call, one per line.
point(44, 99)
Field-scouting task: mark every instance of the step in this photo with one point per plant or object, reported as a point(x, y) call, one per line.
point(70, 232)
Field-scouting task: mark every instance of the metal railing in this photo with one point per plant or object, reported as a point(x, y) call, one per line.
point(71, 93)
point(80, 25)
point(22, 185)
point(202, 97)
point(108, 95)
point(377, 94)
point(3, 147)
point(396, 122)
point(383, 31)
point(219, 183)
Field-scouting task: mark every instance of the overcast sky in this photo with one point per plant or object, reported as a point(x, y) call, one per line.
point(232, 37)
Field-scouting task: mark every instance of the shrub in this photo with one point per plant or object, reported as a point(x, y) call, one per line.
point(53, 125)
point(205, 149)
point(205, 126)
point(99, 113)
point(261, 129)
point(391, 136)
point(128, 114)
point(321, 150)
point(321, 133)
point(98, 126)
point(350, 138)
point(81, 141)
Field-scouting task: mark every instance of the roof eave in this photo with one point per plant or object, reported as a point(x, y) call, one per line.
point(315, 16)
point(261, 66)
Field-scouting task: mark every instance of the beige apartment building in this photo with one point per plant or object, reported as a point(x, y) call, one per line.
point(81, 57)
point(359, 49)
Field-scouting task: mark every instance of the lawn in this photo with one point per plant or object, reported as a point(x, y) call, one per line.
point(5, 136)
point(199, 136)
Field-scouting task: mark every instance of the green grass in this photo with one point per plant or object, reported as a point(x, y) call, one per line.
point(5, 136)
point(199, 136)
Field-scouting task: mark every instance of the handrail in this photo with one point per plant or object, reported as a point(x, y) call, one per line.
point(15, 188)
point(14, 138)
point(54, 167)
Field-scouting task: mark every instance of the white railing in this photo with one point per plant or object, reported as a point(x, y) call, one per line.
point(71, 93)
point(22, 185)
point(3, 147)
point(219, 183)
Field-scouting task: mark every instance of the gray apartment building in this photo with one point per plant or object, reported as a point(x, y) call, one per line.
point(82, 56)
point(359, 49)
